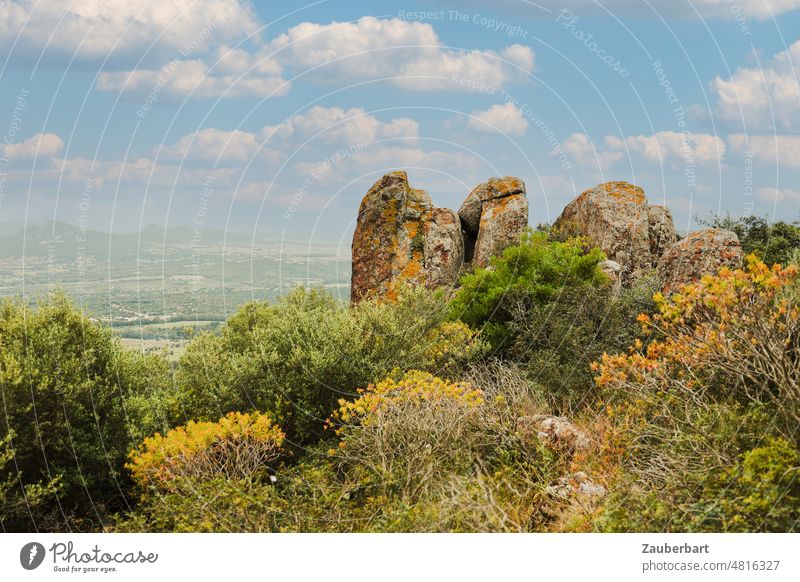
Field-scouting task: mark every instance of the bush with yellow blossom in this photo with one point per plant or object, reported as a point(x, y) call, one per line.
point(238, 446)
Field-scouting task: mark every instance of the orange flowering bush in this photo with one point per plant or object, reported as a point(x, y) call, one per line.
point(721, 375)
point(238, 446)
point(735, 333)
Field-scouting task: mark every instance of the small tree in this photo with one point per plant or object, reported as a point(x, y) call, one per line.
point(531, 273)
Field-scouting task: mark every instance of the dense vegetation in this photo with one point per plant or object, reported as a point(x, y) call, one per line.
point(305, 414)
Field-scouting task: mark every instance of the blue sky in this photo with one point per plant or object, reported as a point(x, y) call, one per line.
point(275, 118)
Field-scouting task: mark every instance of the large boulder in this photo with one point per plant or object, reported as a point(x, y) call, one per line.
point(444, 248)
point(493, 217)
point(616, 217)
point(400, 239)
point(700, 253)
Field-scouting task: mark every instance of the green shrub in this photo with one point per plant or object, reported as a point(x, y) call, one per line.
point(557, 342)
point(64, 384)
point(297, 357)
point(530, 274)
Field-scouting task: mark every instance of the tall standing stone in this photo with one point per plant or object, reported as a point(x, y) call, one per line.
point(400, 239)
point(493, 217)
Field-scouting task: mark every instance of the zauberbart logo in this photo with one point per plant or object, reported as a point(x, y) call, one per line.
point(31, 555)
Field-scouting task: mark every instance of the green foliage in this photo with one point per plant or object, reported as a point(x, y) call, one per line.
point(296, 358)
point(64, 383)
point(772, 243)
point(557, 342)
point(527, 275)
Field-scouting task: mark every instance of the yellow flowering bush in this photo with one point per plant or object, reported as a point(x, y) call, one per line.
point(414, 387)
point(452, 345)
point(238, 446)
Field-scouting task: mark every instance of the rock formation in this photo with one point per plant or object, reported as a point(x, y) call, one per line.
point(402, 238)
point(700, 253)
point(494, 216)
point(616, 217)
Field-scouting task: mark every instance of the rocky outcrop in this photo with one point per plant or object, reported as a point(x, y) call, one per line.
point(401, 238)
point(555, 432)
point(493, 217)
point(576, 486)
point(700, 253)
point(616, 217)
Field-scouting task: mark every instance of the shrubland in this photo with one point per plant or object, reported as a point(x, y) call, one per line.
point(305, 414)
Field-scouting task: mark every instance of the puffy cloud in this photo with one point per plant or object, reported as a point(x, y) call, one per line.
point(768, 149)
point(213, 145)
point(766, 97)
point(663, 146)
point(583, 152)
point(336, 125)
point(326, 125)
point(779, 196)
point(505, 119)
point(41, 145)
point(138, 172)
point(121, 30)
point(180, 79)
point(410, 54)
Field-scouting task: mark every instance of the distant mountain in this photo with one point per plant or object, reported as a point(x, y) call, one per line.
point(63, 242)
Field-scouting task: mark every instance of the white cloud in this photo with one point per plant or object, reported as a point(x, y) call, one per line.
point(121, 29)
point(505, 119)
point(663, 146)
point(409, 53)
point(757, 95)
point(213, 145)
point(670, 145)
point(336, 125)
point(179, 79)
point(779, 196)
point(138, 172)
point(768, 149)
point(41, 145)
point(332, 126)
